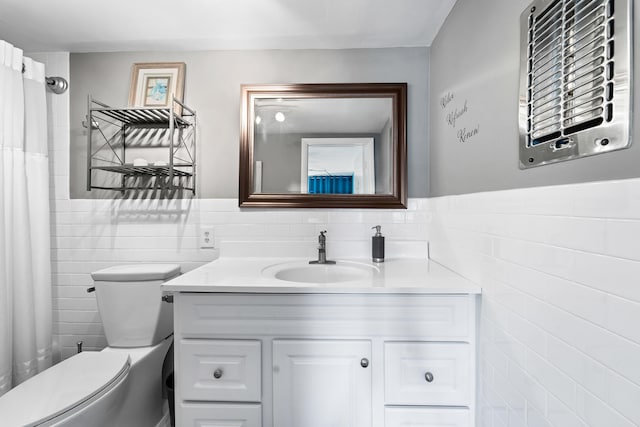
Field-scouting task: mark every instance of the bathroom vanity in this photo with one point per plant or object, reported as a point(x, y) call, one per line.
point(278, 343)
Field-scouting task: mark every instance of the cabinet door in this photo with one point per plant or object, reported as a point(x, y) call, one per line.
point(321, 383)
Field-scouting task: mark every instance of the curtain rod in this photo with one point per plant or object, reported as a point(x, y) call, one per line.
point(56, 85)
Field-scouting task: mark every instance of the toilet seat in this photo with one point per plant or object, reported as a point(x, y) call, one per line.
point(64, 387)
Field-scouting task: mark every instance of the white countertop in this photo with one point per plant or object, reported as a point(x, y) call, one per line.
point(251, 275)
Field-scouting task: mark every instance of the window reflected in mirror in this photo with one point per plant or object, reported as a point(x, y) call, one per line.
point(337, 166)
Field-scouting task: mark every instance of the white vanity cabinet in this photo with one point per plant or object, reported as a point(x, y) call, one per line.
point(325, 359)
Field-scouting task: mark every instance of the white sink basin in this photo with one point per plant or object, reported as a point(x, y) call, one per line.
point(303, 272)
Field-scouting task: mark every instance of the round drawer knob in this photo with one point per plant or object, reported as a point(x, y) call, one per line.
point(217, 374)
point(364, 362)
point(428, 376)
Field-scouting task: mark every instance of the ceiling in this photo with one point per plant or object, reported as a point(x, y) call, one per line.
point(317, 115)
point(133, 25)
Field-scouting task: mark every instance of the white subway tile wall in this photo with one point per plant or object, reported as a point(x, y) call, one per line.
point(92, 234)
point(88, 235)
point(560, 272)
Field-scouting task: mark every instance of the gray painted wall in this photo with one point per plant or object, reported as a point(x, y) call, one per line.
point(280, 155)
point(475, 57)
point(212, 87)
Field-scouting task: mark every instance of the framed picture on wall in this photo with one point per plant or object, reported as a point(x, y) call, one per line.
point(154, 84)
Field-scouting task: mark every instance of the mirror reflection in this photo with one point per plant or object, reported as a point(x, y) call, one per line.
point(323, 145)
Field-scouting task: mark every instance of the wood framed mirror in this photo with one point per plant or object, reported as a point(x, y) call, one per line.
point(340, 145)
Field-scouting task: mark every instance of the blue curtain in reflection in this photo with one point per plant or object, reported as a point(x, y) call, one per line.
point(334, 184)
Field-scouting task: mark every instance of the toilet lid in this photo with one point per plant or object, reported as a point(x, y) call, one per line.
point(137, 273)
point(62, 387)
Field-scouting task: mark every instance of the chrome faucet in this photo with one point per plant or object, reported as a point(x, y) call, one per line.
point(322, 250)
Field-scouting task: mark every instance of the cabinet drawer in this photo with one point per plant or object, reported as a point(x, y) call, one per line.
point(438, 317)
point(418, 373)
point(426, 417)
point(225, 370)
point(219, 415)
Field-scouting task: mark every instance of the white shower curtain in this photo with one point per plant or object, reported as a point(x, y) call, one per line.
point(25, 269)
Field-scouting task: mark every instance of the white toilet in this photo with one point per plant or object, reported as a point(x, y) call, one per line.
point(120, 385)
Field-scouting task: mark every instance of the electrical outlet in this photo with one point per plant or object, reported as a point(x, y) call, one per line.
point(206, 237)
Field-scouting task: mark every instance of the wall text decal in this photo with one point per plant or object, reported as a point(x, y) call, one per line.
point(446, 99)
point(453, 115)
point(465, 134)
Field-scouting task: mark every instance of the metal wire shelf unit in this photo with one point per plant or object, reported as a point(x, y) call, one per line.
point(114, 133)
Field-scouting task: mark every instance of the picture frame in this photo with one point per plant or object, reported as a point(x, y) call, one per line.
point(154, 83)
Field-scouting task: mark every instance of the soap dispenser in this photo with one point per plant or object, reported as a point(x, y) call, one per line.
point(377, 245)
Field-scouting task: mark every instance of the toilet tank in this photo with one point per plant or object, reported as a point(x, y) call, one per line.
point(130, 303)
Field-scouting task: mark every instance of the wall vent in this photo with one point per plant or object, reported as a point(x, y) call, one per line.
point(575, 79)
